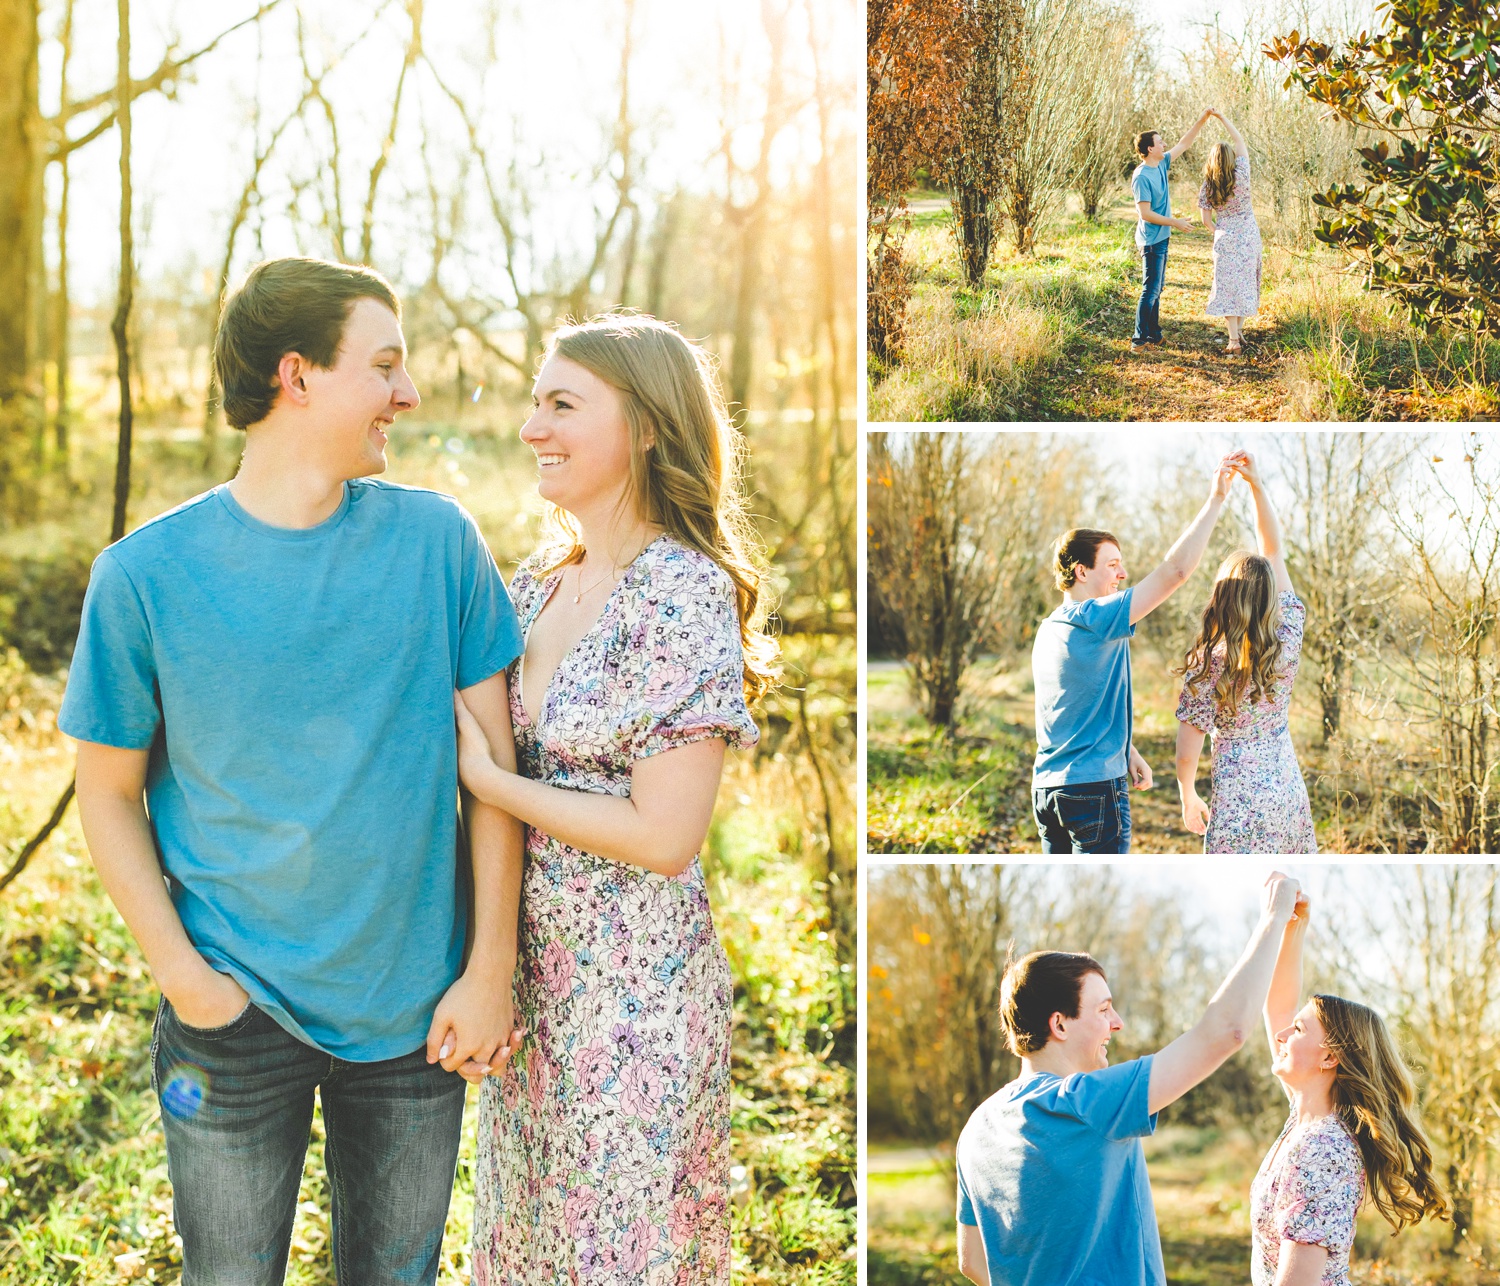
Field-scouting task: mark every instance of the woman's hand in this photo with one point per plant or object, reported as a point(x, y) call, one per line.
point(1194, 813)
point(475, 761)
point(1244, 465)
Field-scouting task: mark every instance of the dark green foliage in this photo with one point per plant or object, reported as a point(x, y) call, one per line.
point(1426, 222)
point(41, 598)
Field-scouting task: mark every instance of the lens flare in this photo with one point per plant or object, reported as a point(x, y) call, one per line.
point(185, 1092)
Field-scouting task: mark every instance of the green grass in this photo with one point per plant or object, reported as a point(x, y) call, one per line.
point(1046, 337)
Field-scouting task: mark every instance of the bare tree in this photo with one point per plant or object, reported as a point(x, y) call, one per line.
point(1445, 633)
point(952, 534)
point(1337, 551)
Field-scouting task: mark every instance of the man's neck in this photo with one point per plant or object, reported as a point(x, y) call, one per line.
point(1151, 165)
point(1049, 1059)
point(276, 485)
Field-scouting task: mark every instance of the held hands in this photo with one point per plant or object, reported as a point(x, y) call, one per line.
point(1140, 771)
point(1281, 896)
point(1223, 479)
point(1194, 812)
point(473, 1029)
point(1244, 465)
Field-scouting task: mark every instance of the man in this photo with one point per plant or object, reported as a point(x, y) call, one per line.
point(1080, 666)
point(1153, 229)
point(270, 667)
point(1052, 1184)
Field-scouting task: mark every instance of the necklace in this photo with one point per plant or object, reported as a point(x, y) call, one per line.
point(582, 591)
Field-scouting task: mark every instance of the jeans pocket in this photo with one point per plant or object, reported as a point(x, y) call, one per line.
point(213, 1033)
point(1082, 815)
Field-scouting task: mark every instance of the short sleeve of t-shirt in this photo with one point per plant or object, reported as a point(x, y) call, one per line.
point(1140, 181)
point(966, 1213)
point(1113, 1101)
point(112, 695)
point(489, 637)
point(1108, 617)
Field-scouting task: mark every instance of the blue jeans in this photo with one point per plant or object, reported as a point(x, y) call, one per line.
point(236, 1107)
point(1148, 309)
point(1084, 817)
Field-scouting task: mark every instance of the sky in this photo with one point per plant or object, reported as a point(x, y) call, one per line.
point(546, 90)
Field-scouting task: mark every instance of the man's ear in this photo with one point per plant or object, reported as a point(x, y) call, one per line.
point(291, 373)
point(1056, 1025)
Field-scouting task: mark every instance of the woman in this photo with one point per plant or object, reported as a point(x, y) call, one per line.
point(1353, 1132)
point(1224, 204)
point(1237, 685)
point(604, 1144)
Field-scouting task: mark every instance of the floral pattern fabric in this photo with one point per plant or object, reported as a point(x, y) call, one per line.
point(1308, 1190)
point(1259, 802)
point(1237, 249)
point(604, 1145)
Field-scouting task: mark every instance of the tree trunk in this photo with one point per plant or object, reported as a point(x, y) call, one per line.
point(1331, 689)
point(20, 123)
point(976, 231)
point(121, 325)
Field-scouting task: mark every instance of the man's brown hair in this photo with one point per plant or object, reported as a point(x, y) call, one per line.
point(1034, 988)
point(286, 306)
point(1143, 140)
point(1075, 549)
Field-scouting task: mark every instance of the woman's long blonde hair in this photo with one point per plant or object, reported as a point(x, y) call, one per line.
point(1374, 1095)
point(686, 461)
point(1242, 617)
point(1218, 175)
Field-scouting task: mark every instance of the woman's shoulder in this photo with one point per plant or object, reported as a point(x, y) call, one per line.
point(1328, 1143)
point(669, 568)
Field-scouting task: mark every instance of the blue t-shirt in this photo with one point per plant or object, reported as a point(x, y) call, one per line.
point(295, 688)
point(1149, 183)
point(1052, 1173)
point(1080, 669)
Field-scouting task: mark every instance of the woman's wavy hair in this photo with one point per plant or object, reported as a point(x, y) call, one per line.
point(1373, 1093)
point(686, 461)
point(1218, 175)
point(1241, 619)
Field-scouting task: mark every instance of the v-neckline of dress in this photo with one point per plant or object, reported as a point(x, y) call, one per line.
point(549, 588)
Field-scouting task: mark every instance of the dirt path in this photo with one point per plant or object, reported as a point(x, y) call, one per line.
point(1188, 377)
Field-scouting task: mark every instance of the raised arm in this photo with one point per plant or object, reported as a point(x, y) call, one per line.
point(1186, 553)
point(1200, 1051)
point(1235, 136)
point(1285, 995)
point(1267, 529)
point(1186, 141)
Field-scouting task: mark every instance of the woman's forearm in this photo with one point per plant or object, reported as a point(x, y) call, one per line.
point(662, 836)
point(1267, 529)
point(1285, 994)
point(1239, 141)
point(1189, 752)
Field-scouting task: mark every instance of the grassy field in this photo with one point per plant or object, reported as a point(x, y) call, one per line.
point(1200, 1181)
point(971, 792)
point(84, 1196)
point(1047, 338)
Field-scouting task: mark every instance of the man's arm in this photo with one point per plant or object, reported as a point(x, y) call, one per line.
point(112, 807)
point(1183, 558)
point(1186, 141)
point(473, 1025)
point(1200, 1051)
point(1148, 215)
point(971, 1261)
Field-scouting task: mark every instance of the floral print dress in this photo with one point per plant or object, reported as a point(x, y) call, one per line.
point(604, 1145)
point(1308, 1190)
point(1259, 802)
point(1237, 249)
